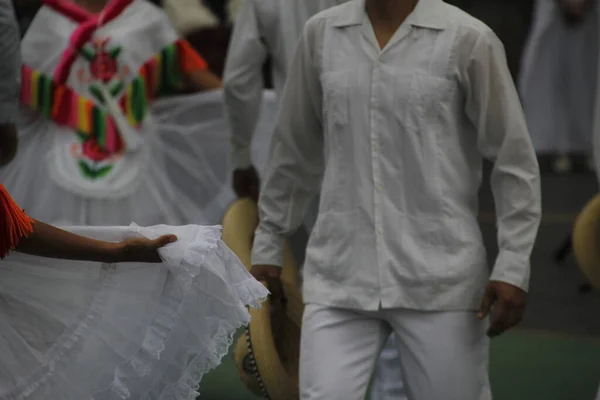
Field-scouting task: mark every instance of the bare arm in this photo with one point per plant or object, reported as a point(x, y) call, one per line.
point(51, 242)
point(203, 80)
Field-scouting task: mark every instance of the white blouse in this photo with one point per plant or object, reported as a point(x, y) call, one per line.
point(397, 136)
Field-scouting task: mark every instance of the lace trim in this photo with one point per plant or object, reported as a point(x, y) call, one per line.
point(247, 292)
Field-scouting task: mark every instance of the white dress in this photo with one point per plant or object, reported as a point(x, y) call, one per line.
point(558, 80)
point(174, 168)
point(89, 331)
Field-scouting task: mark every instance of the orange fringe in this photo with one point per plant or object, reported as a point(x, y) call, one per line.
point(15, 225)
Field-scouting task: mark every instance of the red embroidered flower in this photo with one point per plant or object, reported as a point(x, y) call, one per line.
point(93, 151)
point(103, 66)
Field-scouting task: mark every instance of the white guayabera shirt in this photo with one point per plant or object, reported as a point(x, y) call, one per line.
point(397, 136)
point(10, 64)
point(262, 28)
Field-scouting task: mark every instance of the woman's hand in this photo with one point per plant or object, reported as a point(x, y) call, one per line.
point(142, 249)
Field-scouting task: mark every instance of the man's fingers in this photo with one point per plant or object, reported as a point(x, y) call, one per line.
point(500, 318)
point(486, 304)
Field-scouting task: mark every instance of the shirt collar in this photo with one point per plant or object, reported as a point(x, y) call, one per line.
point(427, 14)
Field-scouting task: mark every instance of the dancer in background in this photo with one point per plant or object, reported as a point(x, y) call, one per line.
point(72, 330)
point(105, 136)
point(558, 80)
point(270, 29)
point(388, 110)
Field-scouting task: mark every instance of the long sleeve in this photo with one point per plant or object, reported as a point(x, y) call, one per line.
point(243, 82)
point(493, 106)
point(10, 66)
point(293, 177)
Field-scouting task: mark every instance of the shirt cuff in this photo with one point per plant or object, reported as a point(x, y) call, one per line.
point(513, 269)
point(267, 249)
point(241, 159)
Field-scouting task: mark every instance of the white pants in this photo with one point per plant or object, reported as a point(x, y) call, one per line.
point(387, 379)
point(444, 355)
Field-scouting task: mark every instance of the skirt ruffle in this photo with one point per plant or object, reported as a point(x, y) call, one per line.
point(81, 330)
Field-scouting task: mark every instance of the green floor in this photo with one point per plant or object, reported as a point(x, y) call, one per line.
point(524, 366)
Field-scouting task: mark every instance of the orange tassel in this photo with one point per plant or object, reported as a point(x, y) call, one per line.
point(15, 225)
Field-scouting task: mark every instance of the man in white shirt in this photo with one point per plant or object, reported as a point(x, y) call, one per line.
point(262, 28)
point(272, 28)
point(10, 68)
point(392, 104)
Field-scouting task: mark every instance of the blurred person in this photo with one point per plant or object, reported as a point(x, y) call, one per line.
point(75, 326)
point(558, 81)
point(106, 134)
point(387, 112)
point(270, 29)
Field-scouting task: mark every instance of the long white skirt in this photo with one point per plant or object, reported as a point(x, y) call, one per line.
point(88, 331)
point(558, 81)
point(184, 179)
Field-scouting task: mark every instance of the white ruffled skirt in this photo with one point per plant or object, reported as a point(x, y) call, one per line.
point(87, 331)
point(183, 178)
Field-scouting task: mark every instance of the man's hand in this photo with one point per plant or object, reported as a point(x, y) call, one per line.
point(574, 11)
point(271, 275)
point(142, 249)
point(9, 140)
point(246, 183)
point(507, 305)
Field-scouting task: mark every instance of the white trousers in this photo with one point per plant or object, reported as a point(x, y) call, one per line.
point(444, 355)
point(387, 380)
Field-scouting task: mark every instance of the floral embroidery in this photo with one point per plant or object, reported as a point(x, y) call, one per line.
point(103, 64)
point(103, 69)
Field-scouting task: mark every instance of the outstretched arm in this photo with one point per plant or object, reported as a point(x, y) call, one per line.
point(21, 233)
point(51, 242)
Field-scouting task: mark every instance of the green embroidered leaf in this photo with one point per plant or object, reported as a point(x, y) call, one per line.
point(114, 53)
point(91, 172)
point(116, 88)
point(97, 93)
point(102, 172)
point(88, 53)
point(87, 171)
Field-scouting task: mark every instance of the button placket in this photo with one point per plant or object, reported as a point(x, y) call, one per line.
point(375, 127)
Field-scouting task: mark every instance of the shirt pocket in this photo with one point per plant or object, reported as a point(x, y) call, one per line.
point(419, 101)
point(335, 100)
point(339, 152)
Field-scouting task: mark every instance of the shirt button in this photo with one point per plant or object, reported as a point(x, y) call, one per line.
point(379, 187)
point(379, 231)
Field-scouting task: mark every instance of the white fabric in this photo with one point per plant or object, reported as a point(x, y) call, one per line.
point(444, 355)
point(262, 28)
point(81, 330)
point(397, 137)
point(598, 395)
point(558, 80)
point(387, 381)
point(178, 175)
point(186, 181)
point(11, 61)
